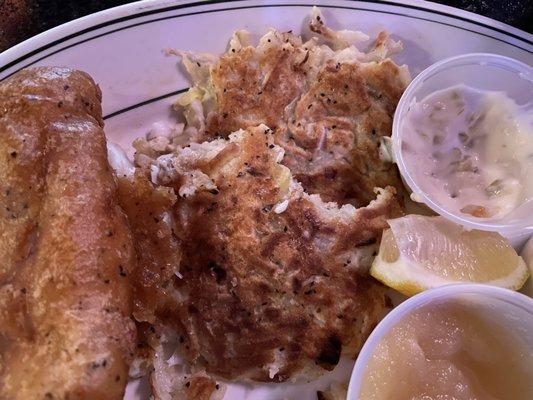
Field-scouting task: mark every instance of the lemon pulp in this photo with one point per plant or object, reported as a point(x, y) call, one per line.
point(421, 252)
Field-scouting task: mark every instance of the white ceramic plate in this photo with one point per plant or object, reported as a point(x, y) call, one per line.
point(123, 49)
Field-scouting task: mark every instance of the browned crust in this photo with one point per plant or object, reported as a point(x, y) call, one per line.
point(67, 253)
point(252, 89)
point(257, 282)
point(330, 126)
point(200, 388)
point(158, 252)
point(333, 145)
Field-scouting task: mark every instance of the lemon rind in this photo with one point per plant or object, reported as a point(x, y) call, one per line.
point(410, 279)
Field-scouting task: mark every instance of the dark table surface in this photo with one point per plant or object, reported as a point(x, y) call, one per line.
point(21, 19)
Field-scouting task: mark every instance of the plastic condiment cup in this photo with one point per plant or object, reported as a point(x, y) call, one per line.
point(505, 307)
point(484, 72)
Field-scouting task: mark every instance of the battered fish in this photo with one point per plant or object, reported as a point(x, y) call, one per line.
point(273, 279)
point(65, 246)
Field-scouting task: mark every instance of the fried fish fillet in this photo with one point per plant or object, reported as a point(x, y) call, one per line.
point(273, 279)
point(328, 108)
point(65, 246)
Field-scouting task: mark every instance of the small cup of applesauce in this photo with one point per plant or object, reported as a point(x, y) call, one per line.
point(466, 341)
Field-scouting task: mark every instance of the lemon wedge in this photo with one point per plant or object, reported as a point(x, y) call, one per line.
point(527, 255)
point(420, 252)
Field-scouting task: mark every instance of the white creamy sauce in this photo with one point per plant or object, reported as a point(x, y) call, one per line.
point(471, 150)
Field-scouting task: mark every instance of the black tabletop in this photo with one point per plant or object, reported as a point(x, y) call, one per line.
point(21, 19)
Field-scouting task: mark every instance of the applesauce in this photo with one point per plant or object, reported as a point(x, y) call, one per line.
point(450, 350)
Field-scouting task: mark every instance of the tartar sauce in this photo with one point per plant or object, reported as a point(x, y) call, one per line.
point(470, 150)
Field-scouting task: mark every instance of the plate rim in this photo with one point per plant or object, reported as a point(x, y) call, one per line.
point(80, 26)
point(35, 45)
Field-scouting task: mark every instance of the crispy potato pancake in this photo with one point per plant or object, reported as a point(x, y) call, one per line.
point(273, 279)
point(282, 197)
point(328, 108)
point(158, 252)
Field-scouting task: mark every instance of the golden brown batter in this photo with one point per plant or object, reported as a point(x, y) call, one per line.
point(66, 250)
